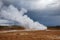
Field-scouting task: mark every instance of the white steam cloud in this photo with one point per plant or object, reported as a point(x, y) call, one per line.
point(12, 13)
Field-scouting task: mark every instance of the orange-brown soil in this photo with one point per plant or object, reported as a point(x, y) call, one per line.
point(31, 35)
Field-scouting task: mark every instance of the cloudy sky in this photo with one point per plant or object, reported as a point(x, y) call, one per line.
point(46, 12)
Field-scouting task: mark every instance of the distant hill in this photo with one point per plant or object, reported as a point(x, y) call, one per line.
point(14, 27)
point(54, 27)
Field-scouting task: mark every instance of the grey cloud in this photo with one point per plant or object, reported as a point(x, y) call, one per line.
point(34, 4)
point(51, 20)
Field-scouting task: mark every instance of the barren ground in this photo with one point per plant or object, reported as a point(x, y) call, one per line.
point(30, 35)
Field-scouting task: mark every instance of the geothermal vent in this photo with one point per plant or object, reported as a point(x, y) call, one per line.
point(11, 13)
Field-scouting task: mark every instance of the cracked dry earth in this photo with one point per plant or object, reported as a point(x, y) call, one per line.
point(30, 35)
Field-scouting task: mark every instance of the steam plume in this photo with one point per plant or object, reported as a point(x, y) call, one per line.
point(12, 13)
